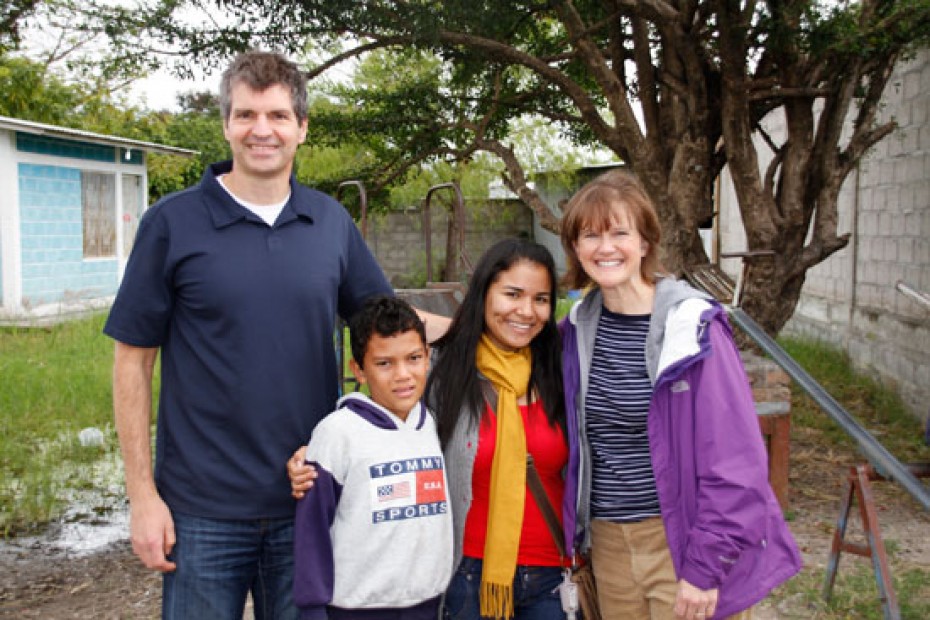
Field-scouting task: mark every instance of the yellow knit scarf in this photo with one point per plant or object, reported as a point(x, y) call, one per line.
point(509, 372)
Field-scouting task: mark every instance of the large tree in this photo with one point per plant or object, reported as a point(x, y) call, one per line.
point(677, 89)
point(12, 15)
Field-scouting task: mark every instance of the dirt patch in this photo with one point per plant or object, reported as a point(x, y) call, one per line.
point(42, 583)
point(39, 582)
point(818, 482)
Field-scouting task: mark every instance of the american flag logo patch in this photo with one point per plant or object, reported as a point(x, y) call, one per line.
point(407, 489)
point(390, 492)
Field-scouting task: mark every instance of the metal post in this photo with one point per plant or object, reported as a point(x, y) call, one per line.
point(458, 213)
point(881, 459)
point(339, 340)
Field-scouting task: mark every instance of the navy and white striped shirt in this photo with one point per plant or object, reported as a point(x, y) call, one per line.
point(616, 406)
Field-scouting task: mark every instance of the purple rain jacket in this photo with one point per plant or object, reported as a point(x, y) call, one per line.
point(724, 526)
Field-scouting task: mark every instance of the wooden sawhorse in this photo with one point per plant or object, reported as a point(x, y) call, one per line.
point(859, 485)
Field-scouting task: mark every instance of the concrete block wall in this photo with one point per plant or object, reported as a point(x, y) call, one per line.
point(397, 240)
point(53, 266)
point(851, 299)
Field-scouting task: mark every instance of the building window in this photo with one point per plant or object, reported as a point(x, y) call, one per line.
point(98, 214)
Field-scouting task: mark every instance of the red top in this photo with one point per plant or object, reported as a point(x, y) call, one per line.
point(550, 452)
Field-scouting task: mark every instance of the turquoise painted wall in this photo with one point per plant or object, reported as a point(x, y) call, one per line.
point(53, 264)
point(46, 145)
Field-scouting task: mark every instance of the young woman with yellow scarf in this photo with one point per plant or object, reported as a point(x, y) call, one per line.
point(496, 390)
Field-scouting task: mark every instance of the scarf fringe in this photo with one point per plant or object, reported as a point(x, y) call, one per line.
point(496, 600)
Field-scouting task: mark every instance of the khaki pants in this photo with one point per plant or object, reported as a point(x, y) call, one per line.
point(634, 571)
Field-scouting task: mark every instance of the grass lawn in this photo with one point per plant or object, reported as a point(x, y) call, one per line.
point(56, 382)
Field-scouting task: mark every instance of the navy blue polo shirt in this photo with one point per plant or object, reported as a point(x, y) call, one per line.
point(244, 315)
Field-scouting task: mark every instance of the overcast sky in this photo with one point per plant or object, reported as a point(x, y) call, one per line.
point(160, 90)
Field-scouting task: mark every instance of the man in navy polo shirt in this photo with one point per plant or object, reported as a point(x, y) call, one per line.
point(237, 282)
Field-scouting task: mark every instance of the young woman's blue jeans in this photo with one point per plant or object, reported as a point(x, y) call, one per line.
point(219, 562)
point(535, 596)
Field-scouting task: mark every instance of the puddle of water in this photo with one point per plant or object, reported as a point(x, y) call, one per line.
point(80, 538)
point(96, 513)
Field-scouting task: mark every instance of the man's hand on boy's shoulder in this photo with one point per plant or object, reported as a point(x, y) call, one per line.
point(301, 474)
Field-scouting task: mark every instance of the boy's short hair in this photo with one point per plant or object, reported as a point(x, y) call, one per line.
point(385, 316)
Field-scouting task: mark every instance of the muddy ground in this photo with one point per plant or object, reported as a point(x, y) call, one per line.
point(37, 581)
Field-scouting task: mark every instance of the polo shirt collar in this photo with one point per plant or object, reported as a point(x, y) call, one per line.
point(225, 211)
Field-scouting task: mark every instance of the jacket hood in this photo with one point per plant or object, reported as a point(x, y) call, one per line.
point(670, 296)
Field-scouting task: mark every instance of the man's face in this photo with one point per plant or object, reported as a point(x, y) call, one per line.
point(263, 131)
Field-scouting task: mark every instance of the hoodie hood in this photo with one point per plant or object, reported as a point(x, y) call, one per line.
point(377, 415)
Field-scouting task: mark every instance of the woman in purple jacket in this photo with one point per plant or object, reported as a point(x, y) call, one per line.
point(681, 520)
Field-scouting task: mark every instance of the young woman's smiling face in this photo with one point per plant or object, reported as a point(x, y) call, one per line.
point(517, 305)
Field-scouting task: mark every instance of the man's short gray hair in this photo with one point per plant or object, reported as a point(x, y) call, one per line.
point(260, 71)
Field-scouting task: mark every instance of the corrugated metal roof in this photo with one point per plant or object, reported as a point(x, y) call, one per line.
point(16, 124)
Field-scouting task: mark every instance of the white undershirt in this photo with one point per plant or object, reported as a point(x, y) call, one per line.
point(268, 213)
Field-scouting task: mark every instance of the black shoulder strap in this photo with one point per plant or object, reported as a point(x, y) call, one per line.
point(545, 506)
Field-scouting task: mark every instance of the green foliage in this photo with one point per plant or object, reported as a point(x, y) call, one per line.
point(664, 86)
point(866, 32)
point(325, 167)
point(198, 126)
point(855, 593)
point(12, 14)
point(169, 173)
point(31, 92)
point(404, 109)
point(472, 177)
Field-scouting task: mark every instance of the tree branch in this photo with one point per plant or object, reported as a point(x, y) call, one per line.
point(515, 180)
point(787, 93)
point(581, 98)
point(357, 51)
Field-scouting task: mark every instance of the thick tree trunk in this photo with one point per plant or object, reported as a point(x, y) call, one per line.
point(770, 292)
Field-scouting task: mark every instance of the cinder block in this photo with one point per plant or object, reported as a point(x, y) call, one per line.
point(884, 224)
point(911, 83)
point(917, 111)
point(905, 249)
point(922, 252)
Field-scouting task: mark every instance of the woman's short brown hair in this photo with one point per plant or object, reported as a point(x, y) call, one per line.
point(592, 208)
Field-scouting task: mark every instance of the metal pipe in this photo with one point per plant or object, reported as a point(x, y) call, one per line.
point(918, 296)
point(458, 212)
point(338, 337)
point(428, 234)
point(881, 459)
